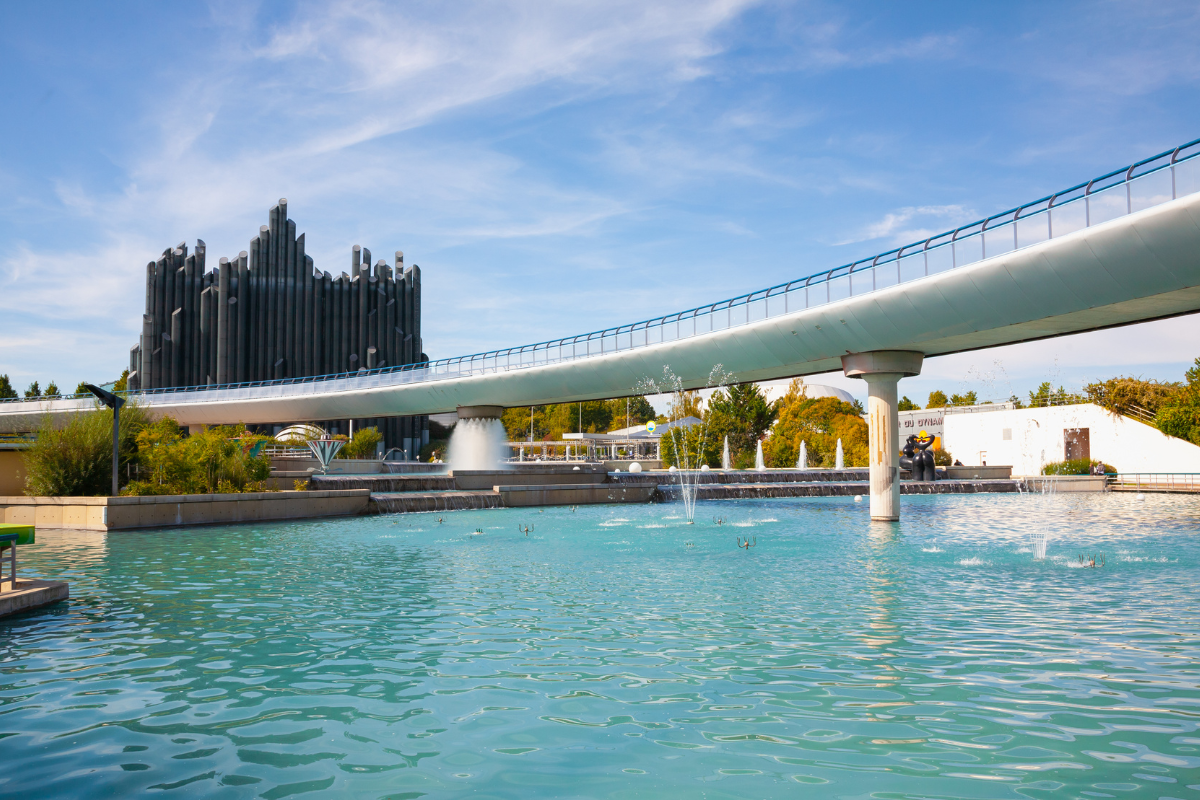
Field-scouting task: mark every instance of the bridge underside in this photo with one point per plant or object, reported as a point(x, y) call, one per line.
point(1135, 268)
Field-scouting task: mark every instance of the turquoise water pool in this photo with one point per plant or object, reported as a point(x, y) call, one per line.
point(617, 652)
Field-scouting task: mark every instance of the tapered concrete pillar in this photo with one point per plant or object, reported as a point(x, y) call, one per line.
point(882, 370)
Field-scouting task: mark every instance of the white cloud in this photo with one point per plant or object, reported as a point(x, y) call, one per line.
point(897, 228)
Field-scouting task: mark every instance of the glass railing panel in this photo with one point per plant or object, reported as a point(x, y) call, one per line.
point(1187, 177)
point(756, 310)
point(1150, 190)
point(1068, 218)
point(968, 250)
point(998, 241)
point(1106, 205)
point(797, 298)
point(912, 266)
point(862, 280)
point(940, 258)
point(1033, 229)
point(839, 288)
point(887, 273)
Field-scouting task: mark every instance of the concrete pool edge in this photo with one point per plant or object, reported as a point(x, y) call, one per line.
point(31, 594)
point(131, 513)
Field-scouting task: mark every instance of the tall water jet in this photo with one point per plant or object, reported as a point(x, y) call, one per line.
point(726, 463)
point(802, 461)
point(759, 464)
point(478, 439)
point(687, 442)
point(841, 464)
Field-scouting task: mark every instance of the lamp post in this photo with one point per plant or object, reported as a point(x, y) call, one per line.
point(112, 401)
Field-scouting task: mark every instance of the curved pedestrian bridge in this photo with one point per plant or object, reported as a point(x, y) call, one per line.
point(1119, 249)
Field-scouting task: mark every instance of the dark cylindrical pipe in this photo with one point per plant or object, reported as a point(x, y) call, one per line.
point(243, 295)
point(389, 322)
point(327, 323)
point(253, 313)
point(364, 297)
point(191, 329)
point(205, 337)
point(146, 352)
point(304, 310)
point(234, 354)
point(176, 349)
point(223, 321)
point(414, 321)
point(344, 324)
point(267, 326)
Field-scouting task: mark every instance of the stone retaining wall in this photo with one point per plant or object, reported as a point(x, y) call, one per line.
point(125, 513)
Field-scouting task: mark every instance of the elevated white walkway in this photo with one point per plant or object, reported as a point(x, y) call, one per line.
point(1080, 260)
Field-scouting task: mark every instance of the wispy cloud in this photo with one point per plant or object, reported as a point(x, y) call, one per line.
point(898, 226)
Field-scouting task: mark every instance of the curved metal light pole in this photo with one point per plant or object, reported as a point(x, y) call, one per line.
point(112, 401)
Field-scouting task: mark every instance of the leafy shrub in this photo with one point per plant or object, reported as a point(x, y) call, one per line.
point(1181, 420)
point(362, 445)
point(76, 459)
point(1077, 466)
point(1122, 395)
point(217, 460)
point(942, 458)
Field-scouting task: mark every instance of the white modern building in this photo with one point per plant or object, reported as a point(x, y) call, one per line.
point(1028, 438)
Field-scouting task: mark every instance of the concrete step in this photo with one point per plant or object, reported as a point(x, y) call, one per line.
point(409, 502)
point(379, 484)
point(575, 494)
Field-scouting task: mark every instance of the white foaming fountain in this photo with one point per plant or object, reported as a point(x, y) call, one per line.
point(478, 440)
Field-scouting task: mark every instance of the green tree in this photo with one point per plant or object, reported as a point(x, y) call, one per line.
point(968, 399)
point(742, 413)
point(818, 422)
point(75, 460)
point(33, 390)
point(1180, 416)
point(81, 390)
point(7, 392)
point(690, 447)
point(122, 382)
point(907, 405)
point(363, 445)
point(937, 399)
point(626, 412)
point(686, 404)
point(1047, 396)
point(52, 389)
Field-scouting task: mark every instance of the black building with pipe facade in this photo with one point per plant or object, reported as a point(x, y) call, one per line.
point(270, 314)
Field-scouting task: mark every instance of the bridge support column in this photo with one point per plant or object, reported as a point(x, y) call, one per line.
point(882, 370)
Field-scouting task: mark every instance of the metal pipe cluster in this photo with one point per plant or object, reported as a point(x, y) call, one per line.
point(270, 314)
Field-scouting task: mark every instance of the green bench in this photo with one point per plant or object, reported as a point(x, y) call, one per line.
point(12, 535)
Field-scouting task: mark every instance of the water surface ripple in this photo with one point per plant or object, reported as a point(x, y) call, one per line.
point(617, 652)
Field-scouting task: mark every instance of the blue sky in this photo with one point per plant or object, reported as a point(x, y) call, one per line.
point(559, 168)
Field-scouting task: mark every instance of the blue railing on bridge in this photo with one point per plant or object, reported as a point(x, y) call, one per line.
point(1147, 183)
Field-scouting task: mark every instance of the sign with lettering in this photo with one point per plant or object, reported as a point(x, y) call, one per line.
point(930, 420)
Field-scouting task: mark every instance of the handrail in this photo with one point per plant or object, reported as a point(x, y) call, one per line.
point(722, 311)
